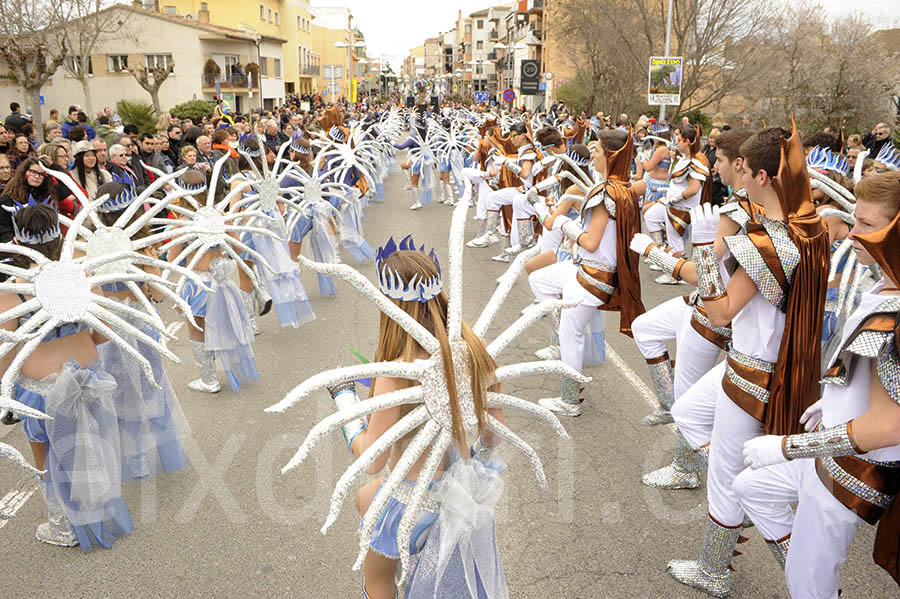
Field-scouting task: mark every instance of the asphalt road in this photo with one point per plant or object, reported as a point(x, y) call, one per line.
point(233, 526)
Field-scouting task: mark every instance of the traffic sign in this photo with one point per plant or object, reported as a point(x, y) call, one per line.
point(481, 96)
point(509, 96)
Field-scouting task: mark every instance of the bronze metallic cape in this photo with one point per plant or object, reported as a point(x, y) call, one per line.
point(331, 116)
point(797, 371)
point(696, 154)
point(627, 298)
point(884, 246)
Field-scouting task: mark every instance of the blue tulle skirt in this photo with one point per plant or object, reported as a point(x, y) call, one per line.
point(384, 541)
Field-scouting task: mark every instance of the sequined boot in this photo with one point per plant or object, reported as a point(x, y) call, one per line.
point(478, 234)
point(569, 401)
point(490, 236)
point(780, 549)
point(682, 473)
point(711, 573)
point(657, 237)
point(57, 530)
point(261, 297)
point(206, 363)
point(552, 351)
point(503, 256)
point(663, 377)
point(526, 237)
point(250, 305)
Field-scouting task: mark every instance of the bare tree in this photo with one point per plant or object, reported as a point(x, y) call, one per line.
point(31, 55)
point(86, 24)
point(151, 79)
point(611, 42)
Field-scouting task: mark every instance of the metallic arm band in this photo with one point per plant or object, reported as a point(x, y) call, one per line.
point(515, 168)
point(545, 184)
point(666, 261)
point(824, 443)
point(709, 278)
point(345, 397)
point(569, 227)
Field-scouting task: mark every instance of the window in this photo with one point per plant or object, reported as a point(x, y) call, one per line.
point(117, 62)
point(277, 18)
point(270, 14)
point(230, 61)
point(479, 69)
point(479, 45)
point(277, 67)
point(468, 28)
point(157, 60)
point(171, 10)
point(262, 12)
point(299, 23)
point(479, 24)
point(264, 66)
point(73, 63)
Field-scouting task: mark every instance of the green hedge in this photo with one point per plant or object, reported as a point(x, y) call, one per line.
point(194, 110)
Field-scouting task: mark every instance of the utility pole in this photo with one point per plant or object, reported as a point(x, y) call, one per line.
point(662, 109)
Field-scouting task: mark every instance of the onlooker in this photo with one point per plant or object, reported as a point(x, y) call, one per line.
point(104, 131)
point(53, 130)
point(6, 137)
point(132, 131)
point(162, 148)
point(189, 159)
point(854, 141)
point(149, 154)
point(163, 123)
point(174, 137)
point(28, 131)
point(83, 121)
point(15, 119)
point(879, 136)
point(118, 164)
point(29, 180)
point(100, 150)
point(71, 120)
point(190, 135)
point(77, 133)
point(852, 155)
point(21, 150)
point(205, 151)
point(87, 171)
point(6, 171)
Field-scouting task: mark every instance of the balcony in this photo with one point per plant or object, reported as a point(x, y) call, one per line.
point(535, 6)
point(233, 81)
point(492, 35)
point(492, 55)
point(311, 71)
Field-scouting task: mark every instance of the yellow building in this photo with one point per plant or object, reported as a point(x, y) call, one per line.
point(342, 50)
point(290, 20)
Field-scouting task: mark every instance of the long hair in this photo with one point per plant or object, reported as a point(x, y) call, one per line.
point(396, 344)
point(82, 171)
point(18, 188)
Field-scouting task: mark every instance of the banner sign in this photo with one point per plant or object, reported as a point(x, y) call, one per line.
point(664, 80)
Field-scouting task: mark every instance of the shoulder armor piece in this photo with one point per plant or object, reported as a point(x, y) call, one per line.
point(873, 339)
point(749, 257)
point(887, 367)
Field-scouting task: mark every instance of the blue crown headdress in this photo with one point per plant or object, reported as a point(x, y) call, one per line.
point(823, 159)
point(296, 146)
point(576, 158)
point(659, 128)
point(889, 157)
point(337, 134)
point(120, 201)
point(193, 189)
point(245, 147)
point(394, 287)
point(27, 237)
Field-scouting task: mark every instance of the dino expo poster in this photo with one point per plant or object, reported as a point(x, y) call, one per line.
point(664, 81)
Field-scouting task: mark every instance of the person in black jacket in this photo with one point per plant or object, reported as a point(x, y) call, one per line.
point(29, 180)
point(15, 120)
point(879, 136)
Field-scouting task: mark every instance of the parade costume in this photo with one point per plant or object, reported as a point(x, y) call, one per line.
point(505, 159)
point(152, 426)
point(504, 198)
point(606, 278)
point(83, 480)
point(208, 229)
point(261, 192)
point(840, 488)
point(773, 365)
point(687, 389)
point(432, 418)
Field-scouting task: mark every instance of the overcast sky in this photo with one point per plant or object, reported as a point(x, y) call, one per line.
point(389, 30)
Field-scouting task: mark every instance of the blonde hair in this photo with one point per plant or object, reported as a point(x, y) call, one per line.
point(882, 189)
point(396, 344)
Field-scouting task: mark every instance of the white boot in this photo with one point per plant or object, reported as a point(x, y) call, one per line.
point(249, 300)
point(57, 530)
point(206, 363)
point(490, 236)
point(568, 403)
point(417, 204)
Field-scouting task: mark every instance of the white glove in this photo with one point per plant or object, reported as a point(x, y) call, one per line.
point(639, 243)
point(812, 417)
point(559, 221)
point(763, 451)
point(542, 211)
point(704, 223)
point(531, 196)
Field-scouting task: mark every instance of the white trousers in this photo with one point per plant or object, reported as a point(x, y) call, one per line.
point(694, 355)
point(731, 429)
point(694, 410)
point(821, 531)
point(673, 238)
point(522, 209)
point(559, 280)
point(656, 217)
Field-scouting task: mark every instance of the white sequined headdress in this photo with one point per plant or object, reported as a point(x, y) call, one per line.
point(392, 285)
point(32, 237)
point(431, 416)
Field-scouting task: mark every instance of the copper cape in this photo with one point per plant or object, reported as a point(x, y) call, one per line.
point(795, 385)
point(706, 193)
point(627, 297)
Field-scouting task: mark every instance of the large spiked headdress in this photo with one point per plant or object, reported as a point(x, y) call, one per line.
point(32, 237)
point(393, 286)
point(823, 159)
point(431, 417)
point(889, 157)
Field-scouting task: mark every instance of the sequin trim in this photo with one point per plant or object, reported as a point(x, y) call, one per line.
point(604, 287)
point(404, 492)
point(856, 486)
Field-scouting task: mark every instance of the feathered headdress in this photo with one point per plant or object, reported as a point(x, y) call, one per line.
point(245, 146)
point(823, 159)
point(120, 201)
point(577, 158)
point(395, 287)
point(889, 157)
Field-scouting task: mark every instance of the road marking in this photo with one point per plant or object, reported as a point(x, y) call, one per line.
point(13, 502)
point(635, 381)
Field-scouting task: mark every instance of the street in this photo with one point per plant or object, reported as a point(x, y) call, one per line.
point(233, 526)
